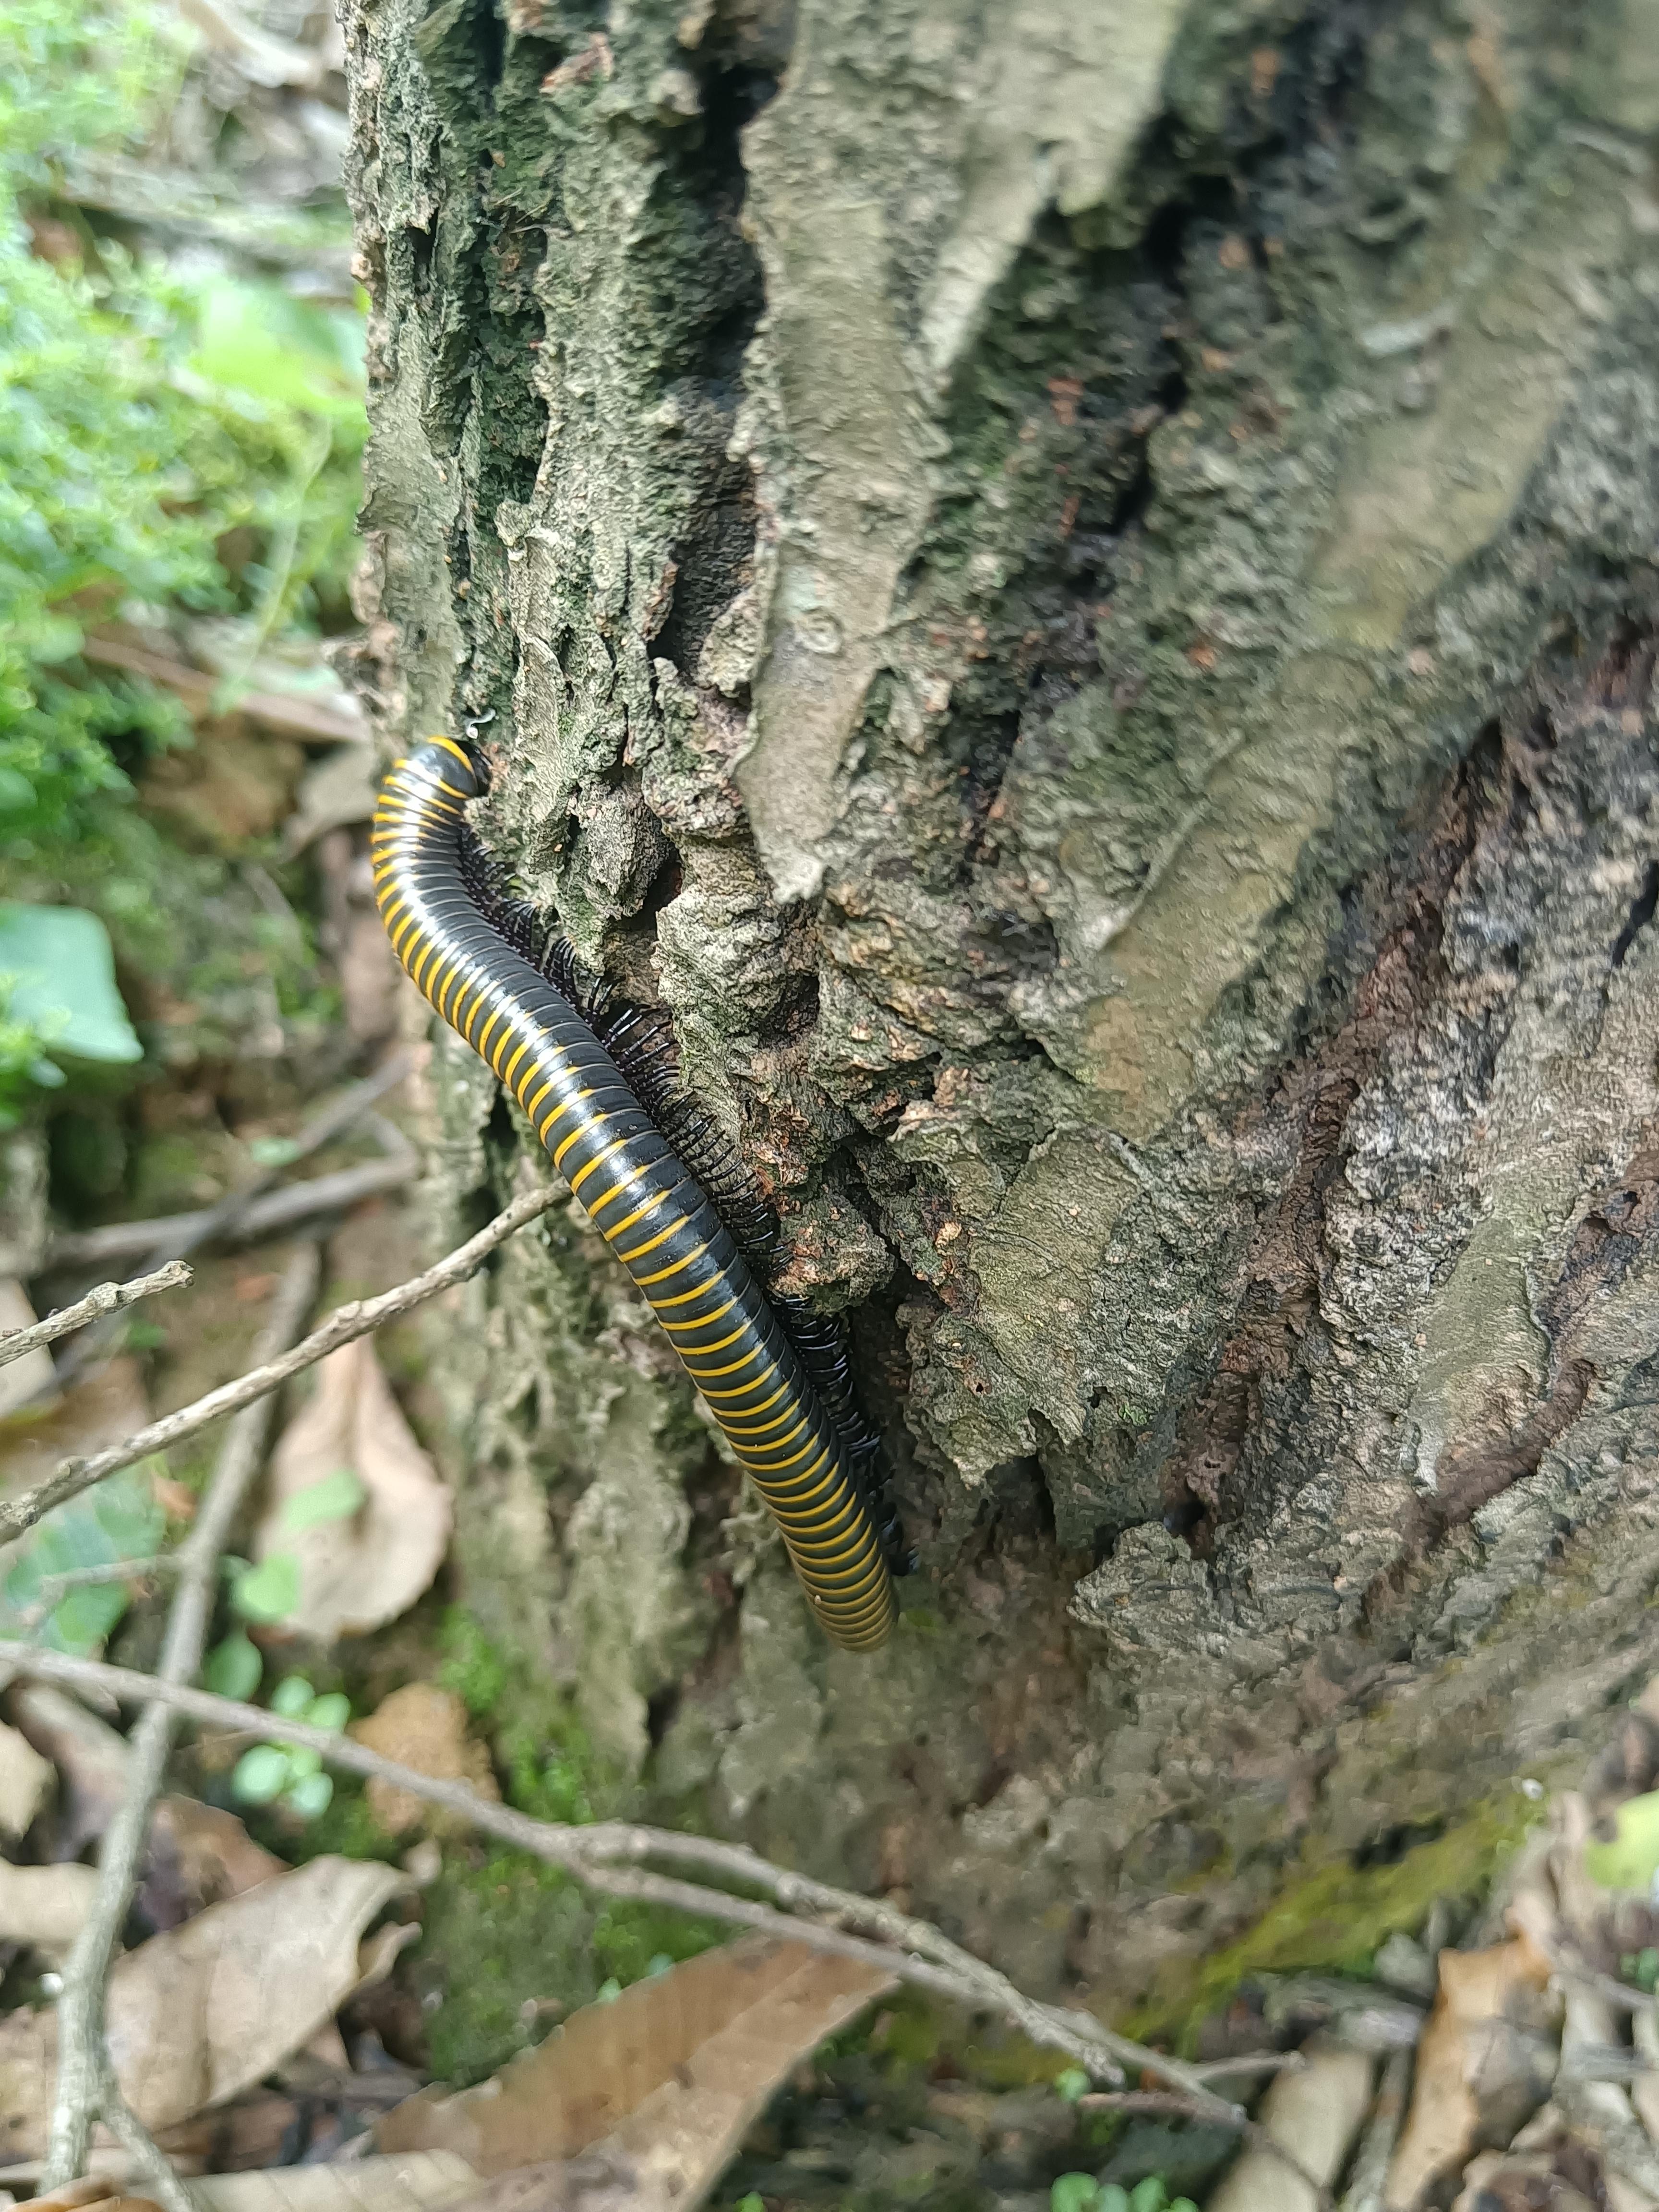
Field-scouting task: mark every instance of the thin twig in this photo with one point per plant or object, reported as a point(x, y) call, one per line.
point(361, 1317)
point(107, 1299)
point(1190, 2108)
point(86, 2075)
point(149, 2164)
point(52, 1589)
point(591, 1855)
point(276, 1210)
point(222, 1220)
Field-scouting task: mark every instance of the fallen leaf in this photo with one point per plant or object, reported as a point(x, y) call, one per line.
point(91, 1758)
point(358, 1572)
point(422, 1726)
point(199, 1856)
point(1314, 2112)
point(207, 2009)
point(25, 1780)
point(1487, 2060)
point(417, 2181)
point(31, 1376)
point(45, 1906)
point(665, 2080)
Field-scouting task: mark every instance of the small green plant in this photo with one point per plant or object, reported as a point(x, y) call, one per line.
point(1071, 2084)
point(291, 1774)
point(1081, 2192)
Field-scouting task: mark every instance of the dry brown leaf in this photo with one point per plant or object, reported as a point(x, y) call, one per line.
point(1487, 2060)
point(415, 2181)
point(358, 1573)
point(24, 1779)
point(91, 1758)
point(199, 1855)
point(45, 1906)
point(422, 1726)
point(207, 2009)
point(1314, 2112)
point(664, 2079)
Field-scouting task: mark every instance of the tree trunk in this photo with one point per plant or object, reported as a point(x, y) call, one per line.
point(1072, 585)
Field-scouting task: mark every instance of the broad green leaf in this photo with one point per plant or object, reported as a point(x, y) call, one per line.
point(269, 1591)
point(331, 1711)
point(302, 1759)
point(61, 974)
point(233, 1667)
point(119, 1520)
point(335, 1497)
point(1631, 1859)
point(291, 1697)
point(260, 1776)
point(1149, 2195)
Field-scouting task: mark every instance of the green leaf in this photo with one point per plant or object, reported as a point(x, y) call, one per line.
point(1074, 2192)
point(751, 2204)
point(233, 1667)
point(260, 1776)
point(1071, 2084)
point(269, 1591)
point(61, 979)
point(335, 1497)
point(310, 1795)
point(1149, 2195)
point(1113, 2197)
point(1631, 1860)
point(291, 1697)
point(273, 1152)
point(331, 1712)
point(119, 1520)
point(302, 1759)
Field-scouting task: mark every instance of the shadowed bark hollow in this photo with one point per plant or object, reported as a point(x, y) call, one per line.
point(1072, 586)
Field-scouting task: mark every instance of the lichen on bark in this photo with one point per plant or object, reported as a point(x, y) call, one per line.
point(1073, 588)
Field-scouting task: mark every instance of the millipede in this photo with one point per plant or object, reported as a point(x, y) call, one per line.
point(597, 1081)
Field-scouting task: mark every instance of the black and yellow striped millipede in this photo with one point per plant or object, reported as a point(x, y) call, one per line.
point(657, 1217)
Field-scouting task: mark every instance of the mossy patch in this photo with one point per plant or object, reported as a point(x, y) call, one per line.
point(1333, 1915)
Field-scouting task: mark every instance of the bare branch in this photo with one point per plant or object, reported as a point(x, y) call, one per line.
point(107, 1299)
point(912, 1950)
point(52, 1589)
point(361, 1317)
point(264, 1217)
point(224, 1218)
point(86, 2075)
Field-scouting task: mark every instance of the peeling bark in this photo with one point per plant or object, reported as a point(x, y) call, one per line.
point(1075, 589)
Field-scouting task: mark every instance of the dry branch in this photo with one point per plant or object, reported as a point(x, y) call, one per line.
point(86, 2077)
point(265, 1216)
point(106, 1299)
point(598, 1856)
point(359, 1318)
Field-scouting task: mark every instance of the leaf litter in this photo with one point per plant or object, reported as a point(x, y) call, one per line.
point(357, 1522)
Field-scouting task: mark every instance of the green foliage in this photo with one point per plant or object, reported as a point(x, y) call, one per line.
point(143, 416)
point(291, 1774)
point(1081, 2192)
point(269, 1592)
point(473, 1670)
point(1631, 1859)
point(335, 1498)
point(57, 984)
point(233, 1667)
point(118, 1519)
point(1641, 1967)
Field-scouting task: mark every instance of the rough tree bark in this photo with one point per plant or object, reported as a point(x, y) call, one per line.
point(1074, 585)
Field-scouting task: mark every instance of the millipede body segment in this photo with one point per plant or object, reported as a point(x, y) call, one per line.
point(647, 1205)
